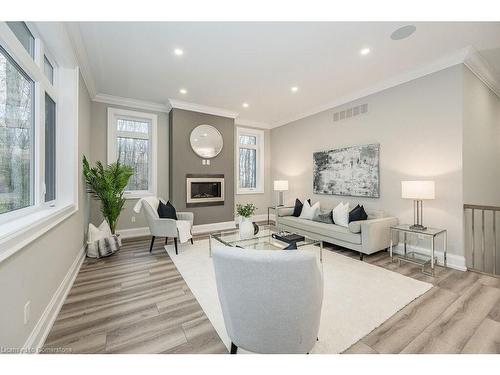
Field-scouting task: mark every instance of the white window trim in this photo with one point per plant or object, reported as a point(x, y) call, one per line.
point(20, 227)
point(113, 115)
point(260, 147)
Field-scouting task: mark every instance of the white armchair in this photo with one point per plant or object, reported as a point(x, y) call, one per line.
point(271, 300)
point(164, 227)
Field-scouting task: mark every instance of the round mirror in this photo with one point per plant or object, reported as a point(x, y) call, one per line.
point(206, 141)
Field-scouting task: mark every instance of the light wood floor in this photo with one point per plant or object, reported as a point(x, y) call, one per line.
point(459, 314)
point(137, 302)
point(133, 302)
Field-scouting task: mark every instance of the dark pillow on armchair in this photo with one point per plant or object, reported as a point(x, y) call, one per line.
point(358, 213)
point(167, 211)
point(298, 207)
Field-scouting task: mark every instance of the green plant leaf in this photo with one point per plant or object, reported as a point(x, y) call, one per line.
point(107, 183)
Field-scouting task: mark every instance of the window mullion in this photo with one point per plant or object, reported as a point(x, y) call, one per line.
point(39, 145)
point(134, 135)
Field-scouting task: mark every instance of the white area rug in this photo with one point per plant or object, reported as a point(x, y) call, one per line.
point(358, 297)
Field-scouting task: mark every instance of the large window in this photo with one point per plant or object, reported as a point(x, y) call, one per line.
point(16, 136)
point(38, 157)
point(131, 140)
point(250, 156)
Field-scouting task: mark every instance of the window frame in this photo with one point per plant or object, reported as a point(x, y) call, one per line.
point(260, 154)
point(52, 65)
point(20, 227)
point(32, 68)
point(114, 114)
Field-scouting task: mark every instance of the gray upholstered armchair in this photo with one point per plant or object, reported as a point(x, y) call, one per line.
point(164, 227)
point(271, 300)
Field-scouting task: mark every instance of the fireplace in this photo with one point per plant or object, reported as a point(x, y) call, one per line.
point(204, 190)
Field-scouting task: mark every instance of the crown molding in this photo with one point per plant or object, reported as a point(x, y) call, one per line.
point(75, 37)
point(251, 124)
point(451, 60)
point(476, 63)
point(179, 104)
point(131, 103)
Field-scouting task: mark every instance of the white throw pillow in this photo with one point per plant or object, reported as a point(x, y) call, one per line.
point(341, 214)
point(309, 212)
point(95, 234)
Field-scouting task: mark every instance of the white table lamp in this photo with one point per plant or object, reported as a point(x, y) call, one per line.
point(418, 191)
point(280, 186)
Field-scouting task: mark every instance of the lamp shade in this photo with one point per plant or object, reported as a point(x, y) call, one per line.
point(417, 190)
point(280, 185)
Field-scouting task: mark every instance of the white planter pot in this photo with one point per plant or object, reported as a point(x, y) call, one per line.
point(246, 228)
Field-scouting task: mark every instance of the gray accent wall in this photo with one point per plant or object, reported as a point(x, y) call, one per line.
point(35, 272)
point(184, 161)
point(98, 151)
point(419, 127)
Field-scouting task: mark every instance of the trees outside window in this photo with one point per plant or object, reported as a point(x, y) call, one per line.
point(16, 136)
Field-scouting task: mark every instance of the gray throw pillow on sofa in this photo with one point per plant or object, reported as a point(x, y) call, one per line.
point(324, 217)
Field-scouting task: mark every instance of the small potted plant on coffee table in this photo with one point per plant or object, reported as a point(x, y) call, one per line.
point(245, 212)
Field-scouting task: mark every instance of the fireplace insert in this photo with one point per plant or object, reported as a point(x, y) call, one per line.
point(204, 190)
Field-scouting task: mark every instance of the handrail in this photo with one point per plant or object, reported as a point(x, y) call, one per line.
point(480, 207)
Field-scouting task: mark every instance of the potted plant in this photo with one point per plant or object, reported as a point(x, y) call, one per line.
point(245, 212)
point(108, 184)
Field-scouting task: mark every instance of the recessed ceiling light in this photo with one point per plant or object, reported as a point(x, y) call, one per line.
point(245, 105)
point(364, 51)
point(403, 32)
point(204, 135)
point(178, 52)
point(294, 89)
point(183, 91)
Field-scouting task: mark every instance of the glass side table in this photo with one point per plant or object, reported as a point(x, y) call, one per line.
point(416, 257)
point(275, 208)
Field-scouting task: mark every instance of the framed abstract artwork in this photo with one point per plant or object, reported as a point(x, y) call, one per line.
point(349, 171)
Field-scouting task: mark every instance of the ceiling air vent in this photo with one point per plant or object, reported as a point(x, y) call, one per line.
point(350, 112)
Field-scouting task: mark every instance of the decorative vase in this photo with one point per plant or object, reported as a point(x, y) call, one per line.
point(255, 228)
point(246, 228)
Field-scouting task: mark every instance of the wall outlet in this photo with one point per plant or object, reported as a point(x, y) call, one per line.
point(132, 219)
point(27, 308)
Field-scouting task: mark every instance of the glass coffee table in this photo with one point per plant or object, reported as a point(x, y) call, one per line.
point(263, 240)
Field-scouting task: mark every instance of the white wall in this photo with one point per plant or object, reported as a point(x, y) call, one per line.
point(98, 151)
point(35, 272)
point(481, 146)
point(419, 127)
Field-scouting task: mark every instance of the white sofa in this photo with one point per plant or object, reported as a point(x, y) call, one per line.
point(367, 236)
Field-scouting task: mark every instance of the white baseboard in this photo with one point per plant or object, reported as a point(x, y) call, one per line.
point(42, 328)
point(453, 261)
point(134, 232)
point(197, 229)
point(263, 217)
point(204, 228)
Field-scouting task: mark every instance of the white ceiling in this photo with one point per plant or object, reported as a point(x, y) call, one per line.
point(226, 64)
